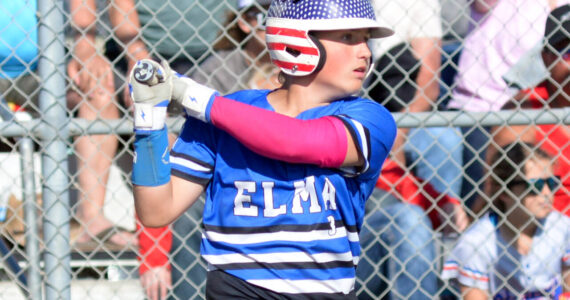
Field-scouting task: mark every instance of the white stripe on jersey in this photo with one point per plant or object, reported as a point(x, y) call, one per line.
point(353, 237)
point(281, 257)
point(362, 134)
point(189, 164)
point(364, 146)
point(306, 286)
point(355, 260)
point(293, 236)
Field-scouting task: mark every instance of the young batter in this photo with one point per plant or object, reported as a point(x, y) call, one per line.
point(521, 248)
point(286, 172)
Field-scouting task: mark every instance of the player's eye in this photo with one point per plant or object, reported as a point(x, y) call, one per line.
point(355, 37)
point(347, 37)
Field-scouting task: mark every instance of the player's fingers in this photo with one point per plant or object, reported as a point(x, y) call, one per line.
point(163, 290)
point(148, 282)
point(153, 290)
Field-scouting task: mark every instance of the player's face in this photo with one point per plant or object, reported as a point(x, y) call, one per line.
point(537, 194)
point(347, 59)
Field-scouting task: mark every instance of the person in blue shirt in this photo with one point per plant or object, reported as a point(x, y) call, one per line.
point(286, 172)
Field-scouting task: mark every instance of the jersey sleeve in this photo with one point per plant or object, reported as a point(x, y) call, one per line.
point(193, 154)
point(467, 262)
point(373, 130)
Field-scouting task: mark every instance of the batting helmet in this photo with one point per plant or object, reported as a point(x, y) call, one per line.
point(288, 23)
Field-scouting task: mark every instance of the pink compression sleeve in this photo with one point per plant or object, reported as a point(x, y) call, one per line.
point(321, 141)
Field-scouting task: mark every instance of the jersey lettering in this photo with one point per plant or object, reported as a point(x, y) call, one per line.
point(242, 201)
point(329, 195)
point(269, 210)
point(305, 190)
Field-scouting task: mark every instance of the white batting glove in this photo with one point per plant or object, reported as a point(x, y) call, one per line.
point(195, 97)
point(150, 85)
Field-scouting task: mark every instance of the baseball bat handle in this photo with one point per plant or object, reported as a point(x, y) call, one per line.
point(146, 73)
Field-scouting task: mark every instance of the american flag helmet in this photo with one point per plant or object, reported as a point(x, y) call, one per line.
point(288, 23)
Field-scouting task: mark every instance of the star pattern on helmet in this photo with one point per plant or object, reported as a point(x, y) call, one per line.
point(321, 9)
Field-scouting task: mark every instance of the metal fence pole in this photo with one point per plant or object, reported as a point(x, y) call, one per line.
point(54, 133)
point(30, 215)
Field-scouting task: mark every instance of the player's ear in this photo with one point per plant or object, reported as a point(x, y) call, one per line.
point(244, 26)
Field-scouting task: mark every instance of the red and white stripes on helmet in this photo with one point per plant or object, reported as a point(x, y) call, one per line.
point(289, 22)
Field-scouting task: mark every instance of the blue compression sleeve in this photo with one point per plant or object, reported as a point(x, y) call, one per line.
point(151, 164)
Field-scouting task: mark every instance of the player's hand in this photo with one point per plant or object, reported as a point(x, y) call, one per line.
point(156, 282)
point(193, 96)
point(150, 85)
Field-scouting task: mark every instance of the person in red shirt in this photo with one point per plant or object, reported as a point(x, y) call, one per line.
point(553, 92)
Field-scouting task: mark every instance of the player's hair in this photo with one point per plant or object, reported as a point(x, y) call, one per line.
point(509, 166)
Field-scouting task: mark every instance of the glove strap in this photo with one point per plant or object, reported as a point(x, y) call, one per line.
point(151, 164)
point(149, 118)
point(196, 98)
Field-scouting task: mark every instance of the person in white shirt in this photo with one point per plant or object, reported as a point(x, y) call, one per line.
point(521, 247)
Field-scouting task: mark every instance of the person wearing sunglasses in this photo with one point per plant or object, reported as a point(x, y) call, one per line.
point(520, 249)
point(544, 79)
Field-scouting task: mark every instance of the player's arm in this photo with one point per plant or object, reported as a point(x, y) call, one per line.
point(159, 198)
point(160, 205)
point(471, 293)
point(325, 141)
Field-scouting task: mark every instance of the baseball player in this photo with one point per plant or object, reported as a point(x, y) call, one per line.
point(285, 172)
point(521, 248)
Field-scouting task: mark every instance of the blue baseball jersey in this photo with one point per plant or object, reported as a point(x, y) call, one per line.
point(289, 228)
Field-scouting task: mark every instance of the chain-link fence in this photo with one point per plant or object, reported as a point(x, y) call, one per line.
point(463, 79)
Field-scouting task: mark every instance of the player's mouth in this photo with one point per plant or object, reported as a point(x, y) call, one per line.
point(361, 72)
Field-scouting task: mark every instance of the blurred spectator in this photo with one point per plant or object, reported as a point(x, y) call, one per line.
point(19, 83)
point(92, 96)
point(502, 32)
point(520, 249)
point(406, 80)
point(398, 251)
point(240, 52)
point(552, 92)
point(239, 61)
point(455, 19)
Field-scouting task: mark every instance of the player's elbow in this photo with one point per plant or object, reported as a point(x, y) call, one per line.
point(152, 220)
point(153, 205)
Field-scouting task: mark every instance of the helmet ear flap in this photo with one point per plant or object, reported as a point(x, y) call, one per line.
point(322, 53)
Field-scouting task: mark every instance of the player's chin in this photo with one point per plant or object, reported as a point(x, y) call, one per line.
point(357, 88)
point(354, 86)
